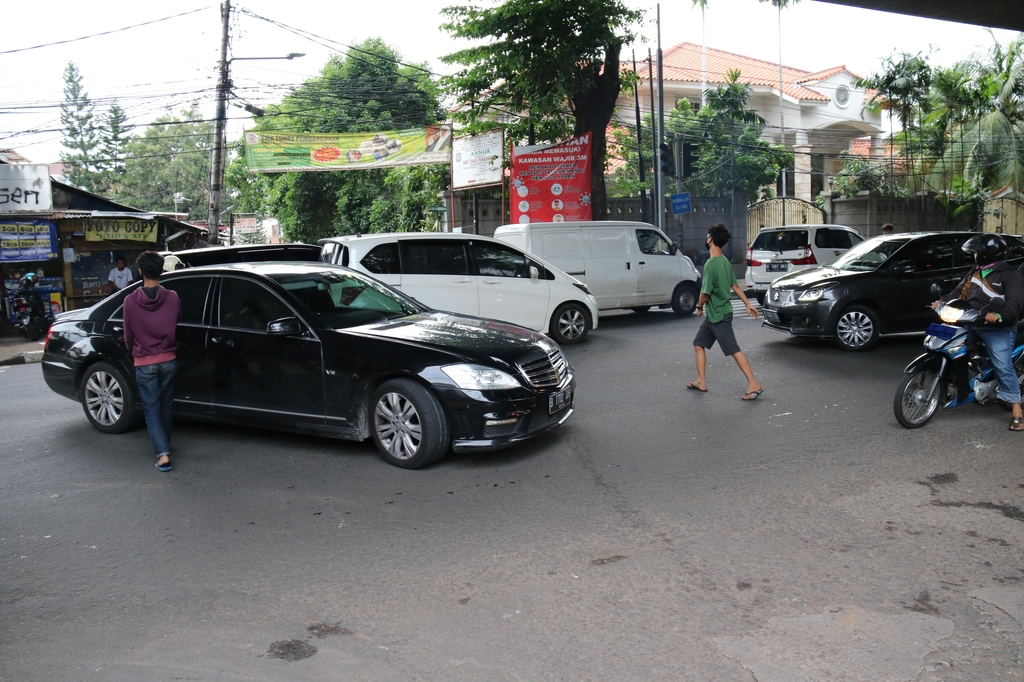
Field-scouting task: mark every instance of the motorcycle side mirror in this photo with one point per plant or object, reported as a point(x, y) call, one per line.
point(998, 303)
point(935, 289)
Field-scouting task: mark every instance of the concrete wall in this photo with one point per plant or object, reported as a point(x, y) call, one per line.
point(867, 213)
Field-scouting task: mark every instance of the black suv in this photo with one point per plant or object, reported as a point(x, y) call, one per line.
point(880, 286)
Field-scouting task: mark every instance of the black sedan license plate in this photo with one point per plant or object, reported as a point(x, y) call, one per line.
point(559, 401)
point(775, 267)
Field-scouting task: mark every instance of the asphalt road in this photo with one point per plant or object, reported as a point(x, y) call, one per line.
point(661, 534)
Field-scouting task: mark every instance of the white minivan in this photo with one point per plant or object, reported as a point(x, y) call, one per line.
point(777, 251)
point(472, 275)
point(624, 264)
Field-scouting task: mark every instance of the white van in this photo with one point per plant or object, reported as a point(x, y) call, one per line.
point(472, 275)
point(624, 264)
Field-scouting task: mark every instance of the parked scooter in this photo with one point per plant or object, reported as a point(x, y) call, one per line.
point(952, 372)
point(29, 313)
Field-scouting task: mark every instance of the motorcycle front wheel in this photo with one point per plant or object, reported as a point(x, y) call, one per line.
point(916, 399)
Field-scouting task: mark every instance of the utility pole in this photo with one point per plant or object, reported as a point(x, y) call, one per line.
point(640, 144)
point(661, 124)
point(217, 166)
point(655, 175)
point(782, 120)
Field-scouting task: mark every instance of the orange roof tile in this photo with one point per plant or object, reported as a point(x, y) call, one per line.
point(683, 64)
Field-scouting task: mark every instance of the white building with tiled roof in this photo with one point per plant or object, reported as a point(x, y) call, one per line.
point(822, 110)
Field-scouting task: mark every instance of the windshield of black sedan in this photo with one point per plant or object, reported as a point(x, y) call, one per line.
point(340, 299)
point(868, 255)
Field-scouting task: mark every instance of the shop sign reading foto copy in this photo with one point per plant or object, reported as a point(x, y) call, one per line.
point(103, 229)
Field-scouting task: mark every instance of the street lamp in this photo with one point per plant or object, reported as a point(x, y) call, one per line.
point(223, 86)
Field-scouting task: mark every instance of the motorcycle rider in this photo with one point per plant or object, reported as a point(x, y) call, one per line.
point(992, 279)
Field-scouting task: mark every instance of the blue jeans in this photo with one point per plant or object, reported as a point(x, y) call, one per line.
point(156, 390)
point(999, 343)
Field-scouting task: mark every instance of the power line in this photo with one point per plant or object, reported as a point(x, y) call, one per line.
point(104, 33)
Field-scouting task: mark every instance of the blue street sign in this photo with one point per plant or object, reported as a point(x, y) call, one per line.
point(680, 203)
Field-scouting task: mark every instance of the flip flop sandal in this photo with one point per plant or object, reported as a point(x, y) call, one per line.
point(752, 395)
point(1017, 424)
point(163, 467)
point(694, 387)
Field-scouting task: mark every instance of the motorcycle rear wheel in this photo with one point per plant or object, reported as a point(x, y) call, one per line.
point(911, 406)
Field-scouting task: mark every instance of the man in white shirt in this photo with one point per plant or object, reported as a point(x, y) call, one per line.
point(120, 277)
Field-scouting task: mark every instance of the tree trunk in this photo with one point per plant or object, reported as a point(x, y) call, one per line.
point(593, 111)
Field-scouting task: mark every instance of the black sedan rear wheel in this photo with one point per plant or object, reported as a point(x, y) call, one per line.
point(409, 425)
point(108, 399)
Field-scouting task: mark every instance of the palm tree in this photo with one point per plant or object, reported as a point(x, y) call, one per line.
point(990, 151)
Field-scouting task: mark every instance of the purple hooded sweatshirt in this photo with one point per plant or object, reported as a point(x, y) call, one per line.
point(149, 326)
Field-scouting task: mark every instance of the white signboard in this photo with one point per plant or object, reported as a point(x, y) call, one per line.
point(476, 160)
point(25, 188)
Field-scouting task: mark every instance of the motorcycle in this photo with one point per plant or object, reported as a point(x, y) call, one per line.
point(952, 372)
point(29, 313)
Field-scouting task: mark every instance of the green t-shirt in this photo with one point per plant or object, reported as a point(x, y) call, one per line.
point(719, 278)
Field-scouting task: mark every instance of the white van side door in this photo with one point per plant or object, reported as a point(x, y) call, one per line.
point(436, 272)
point(611, 267)
point(658, 270)
point(505, 288)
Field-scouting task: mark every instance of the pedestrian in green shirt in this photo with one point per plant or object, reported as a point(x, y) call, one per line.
point(715, 297)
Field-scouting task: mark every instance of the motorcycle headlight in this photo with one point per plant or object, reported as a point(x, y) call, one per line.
point(811, 295)
point(480, 378)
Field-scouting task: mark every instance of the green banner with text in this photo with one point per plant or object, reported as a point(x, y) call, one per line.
point(277, 152)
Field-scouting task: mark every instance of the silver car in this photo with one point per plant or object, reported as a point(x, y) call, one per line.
point(780, 250)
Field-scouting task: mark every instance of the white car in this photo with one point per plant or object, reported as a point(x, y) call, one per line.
point(472, 275)
point(780, 250)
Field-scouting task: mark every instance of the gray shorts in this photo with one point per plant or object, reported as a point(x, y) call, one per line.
point(722, 332)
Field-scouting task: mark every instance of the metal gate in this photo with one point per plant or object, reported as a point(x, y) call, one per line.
point(769, 214)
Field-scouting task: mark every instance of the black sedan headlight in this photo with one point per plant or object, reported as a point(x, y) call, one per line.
point(812, 294)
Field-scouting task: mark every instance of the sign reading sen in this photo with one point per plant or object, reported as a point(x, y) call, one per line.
point(25, 188)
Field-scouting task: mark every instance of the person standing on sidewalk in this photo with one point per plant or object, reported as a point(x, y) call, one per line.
point(150, 318)
point(715, 305)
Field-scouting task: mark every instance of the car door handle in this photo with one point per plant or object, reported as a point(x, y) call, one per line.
point(118, 329)
point(464, 280)
point(221, 341)
point(643, 262)
point(627, 266)
point(492, 281)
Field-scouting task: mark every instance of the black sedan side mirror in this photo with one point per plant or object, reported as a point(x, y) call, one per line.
point(286, 326)
point(936, 289)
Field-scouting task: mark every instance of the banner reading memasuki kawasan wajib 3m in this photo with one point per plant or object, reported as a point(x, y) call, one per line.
point(551, 184)
point(277, 152)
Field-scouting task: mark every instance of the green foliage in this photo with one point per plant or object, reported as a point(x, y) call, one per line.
point(544, 70)
point(172, 155)
point(366, 90)
point(860, 174)
point(114, 138)
point(963, 198)
point(81, 136)
point(733, 157)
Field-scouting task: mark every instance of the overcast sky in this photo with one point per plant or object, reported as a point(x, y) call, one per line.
point(173, 62)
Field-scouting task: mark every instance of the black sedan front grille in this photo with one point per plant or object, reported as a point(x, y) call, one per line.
point(544, 369)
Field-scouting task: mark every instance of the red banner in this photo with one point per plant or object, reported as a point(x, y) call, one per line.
point(551, 184)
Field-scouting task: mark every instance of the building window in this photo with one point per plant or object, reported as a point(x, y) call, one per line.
point(842, 98)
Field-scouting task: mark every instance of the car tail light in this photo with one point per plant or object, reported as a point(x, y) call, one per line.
point(750, 261)
point(807, 258)
point(49, 333)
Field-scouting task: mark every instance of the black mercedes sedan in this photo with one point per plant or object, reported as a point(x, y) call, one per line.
point(322, 349)
point(880, 286)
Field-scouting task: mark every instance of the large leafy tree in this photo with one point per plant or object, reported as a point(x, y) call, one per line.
point(369, 89)
point(172, 156)
point(81, 134)
point(544, 69)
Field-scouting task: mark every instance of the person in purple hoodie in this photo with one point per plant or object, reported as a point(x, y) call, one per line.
point(150, 318)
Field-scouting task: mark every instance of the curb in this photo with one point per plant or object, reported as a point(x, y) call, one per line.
point(25, 358)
